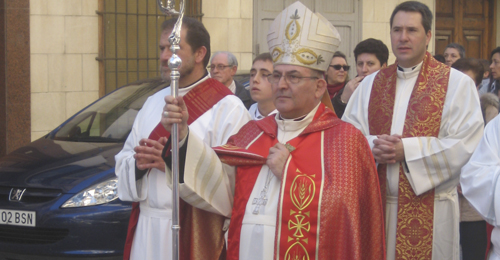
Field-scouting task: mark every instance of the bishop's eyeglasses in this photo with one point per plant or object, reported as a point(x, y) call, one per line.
point(291, 79)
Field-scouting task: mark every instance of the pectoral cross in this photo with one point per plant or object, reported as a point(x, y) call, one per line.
point(262, 201)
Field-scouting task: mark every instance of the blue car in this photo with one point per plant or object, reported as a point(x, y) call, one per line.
point(58, 195)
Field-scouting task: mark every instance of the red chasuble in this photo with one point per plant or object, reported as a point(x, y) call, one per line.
point(329, 206)
point(201, 235)
point(423, 118)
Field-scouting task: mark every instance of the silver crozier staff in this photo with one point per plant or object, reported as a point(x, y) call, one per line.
point(174, 63)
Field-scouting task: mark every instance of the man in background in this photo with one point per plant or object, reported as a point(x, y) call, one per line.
point(223, 67)
point(260, 87)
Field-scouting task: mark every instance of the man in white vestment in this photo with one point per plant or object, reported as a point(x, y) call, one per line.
point(139, 167)
point(479, 181)
point(305, 184)
point(422, 121)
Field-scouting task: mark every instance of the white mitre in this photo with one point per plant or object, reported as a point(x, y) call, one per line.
point(300, 37)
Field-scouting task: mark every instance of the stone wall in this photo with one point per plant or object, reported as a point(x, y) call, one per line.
point(229, 23)
point(64, 71)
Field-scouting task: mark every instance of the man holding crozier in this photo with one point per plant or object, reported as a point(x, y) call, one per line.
point(300, 184)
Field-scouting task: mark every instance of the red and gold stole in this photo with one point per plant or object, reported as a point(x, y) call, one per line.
point(201, 235)
point(300, 212)
point(423, 118)
point(300, 200)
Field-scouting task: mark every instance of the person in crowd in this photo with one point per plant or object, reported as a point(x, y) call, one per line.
point(298, 185)
point(473, 238)
point(480, 179)
point(260, 87)
point(453, 52)
point(470, 67)
point(483, 87)
point(494, 71)
point(370, 55)
point(216, 114)
point(337, 73)
point(439, 58)
point(223, 67)
point(420, 143)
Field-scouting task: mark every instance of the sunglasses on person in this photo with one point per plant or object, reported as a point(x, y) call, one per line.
point(338, 67)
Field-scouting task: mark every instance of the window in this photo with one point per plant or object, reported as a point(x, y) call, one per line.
point(128, 42)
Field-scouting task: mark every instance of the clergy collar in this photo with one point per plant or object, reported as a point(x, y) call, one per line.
point(406, 73)
point(184, 91)
point(295, 124)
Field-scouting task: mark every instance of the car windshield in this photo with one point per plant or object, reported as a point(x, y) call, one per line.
point(109, 119)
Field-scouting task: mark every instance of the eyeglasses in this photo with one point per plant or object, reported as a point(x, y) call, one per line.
point(338, 67)
point(289, 78)
point(219, 67)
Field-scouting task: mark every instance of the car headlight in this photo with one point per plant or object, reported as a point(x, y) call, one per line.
point(101, 193)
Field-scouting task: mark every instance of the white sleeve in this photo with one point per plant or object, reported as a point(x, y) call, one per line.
point(356, 112)
point(479, 177)
point(433, 161)
point(130, 189)
point(208, 183)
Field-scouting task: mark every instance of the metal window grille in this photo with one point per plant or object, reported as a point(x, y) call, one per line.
point(128, 41)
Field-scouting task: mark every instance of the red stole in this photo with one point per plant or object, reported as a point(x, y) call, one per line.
point(423, 118)
point(197, 240)
point(320, 214)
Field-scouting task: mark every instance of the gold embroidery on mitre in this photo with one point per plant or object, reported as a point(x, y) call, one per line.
point(308, 56)
point(292, 30)
point(276, 54)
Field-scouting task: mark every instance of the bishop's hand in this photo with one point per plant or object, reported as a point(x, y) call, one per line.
point(278, 154)
point(175, 111)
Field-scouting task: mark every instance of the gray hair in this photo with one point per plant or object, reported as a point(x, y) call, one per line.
point(458, 47)
point(231, 59)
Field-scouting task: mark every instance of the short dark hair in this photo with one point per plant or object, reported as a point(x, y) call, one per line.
point(372, 46)
point(266, 56)
point(470, 64)
point(414, 6)
point(458, 47)
point(496, 50)
point(339, 54)
point(439, 58)
point(197, 35)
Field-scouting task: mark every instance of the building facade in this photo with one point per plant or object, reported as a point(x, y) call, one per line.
point(66, 44)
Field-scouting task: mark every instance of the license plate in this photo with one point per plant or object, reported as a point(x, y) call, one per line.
point(17, 217)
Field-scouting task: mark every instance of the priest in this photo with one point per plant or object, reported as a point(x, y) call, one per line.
point(422, 120)
point(479, 181)
point(215, 115)
point(300, 184)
